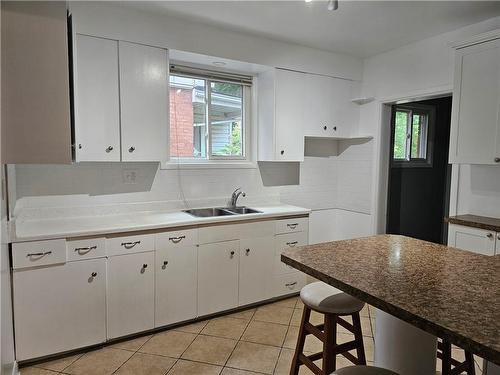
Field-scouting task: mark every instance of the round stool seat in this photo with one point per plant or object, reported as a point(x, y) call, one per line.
point(363, 370)
point(326, 299)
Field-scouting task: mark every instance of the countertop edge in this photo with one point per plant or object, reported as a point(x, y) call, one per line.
point(402, 314)
point(471, 223)
point(13, 238)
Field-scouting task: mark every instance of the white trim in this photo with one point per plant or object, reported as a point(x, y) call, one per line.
point(209, 164)
point(476, 39)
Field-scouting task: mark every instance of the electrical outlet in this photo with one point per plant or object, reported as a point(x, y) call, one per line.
point(129, 176)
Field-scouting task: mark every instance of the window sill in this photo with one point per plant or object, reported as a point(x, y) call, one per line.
point(209, 165)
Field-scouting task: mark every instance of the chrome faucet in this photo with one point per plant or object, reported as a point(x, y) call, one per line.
point(234, 197)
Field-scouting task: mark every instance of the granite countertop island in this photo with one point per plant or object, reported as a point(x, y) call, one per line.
point(475, 221)
point(447, 292)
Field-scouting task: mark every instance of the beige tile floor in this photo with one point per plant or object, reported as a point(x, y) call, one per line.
point(255, 341)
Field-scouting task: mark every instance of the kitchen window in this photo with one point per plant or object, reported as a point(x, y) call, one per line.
point(412, 131)
point(209, 116)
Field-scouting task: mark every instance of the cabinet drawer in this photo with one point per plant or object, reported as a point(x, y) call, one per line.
point(174, 239)
point(85, 249)
point(218, 233)
point(280, 268)
point(130, 244)
point(287, 284)
point(39, 253)
point(292, 225)
point(289, 241)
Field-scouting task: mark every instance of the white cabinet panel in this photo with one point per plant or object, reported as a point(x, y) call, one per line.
point(218, 277)
point(97, 112)
point(38, 253)
point(256, 259)
point(144, 102)
point(475, 130)
point(176, 282)
point(472, 239)
point(59, 308)
point(130, 294)
point(289, 283)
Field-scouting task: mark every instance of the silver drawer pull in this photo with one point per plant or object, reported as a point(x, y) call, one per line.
point(292, 226)
point(129, 245)
point(489, 235)
point(39, 254)
point(85, 250)
point(291, 284)
point(176, 239)
point(292, 244)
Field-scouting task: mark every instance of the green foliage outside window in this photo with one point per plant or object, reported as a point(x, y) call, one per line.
point(400, 135)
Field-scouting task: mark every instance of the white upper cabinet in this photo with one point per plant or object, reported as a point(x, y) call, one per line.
point(97, 102)
point(121, 101)
point(475, 129)
point(329, 111)
point(144, 102)
point(281, 115)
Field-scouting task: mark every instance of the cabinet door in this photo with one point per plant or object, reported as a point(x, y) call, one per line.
point(497, 244)
point(345, 113)
point(144, 102)
point(472, 239)
point(256, 259)
point(130, 294)
point(217, 277)
point(59, 308)
point(289, 115)
point(97, 113)
point(318, 109)
point(176, 284)
point(475, 130)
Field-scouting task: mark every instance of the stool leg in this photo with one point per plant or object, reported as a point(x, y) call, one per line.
point(469, 357)
point(299, 349)
point(329, 353)
point(446, 358)
point(358, 336)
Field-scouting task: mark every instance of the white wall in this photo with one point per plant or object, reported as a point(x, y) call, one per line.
point(416, 71)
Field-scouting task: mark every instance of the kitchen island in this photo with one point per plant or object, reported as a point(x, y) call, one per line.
point(443, 291)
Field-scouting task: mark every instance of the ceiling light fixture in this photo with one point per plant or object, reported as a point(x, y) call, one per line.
point(333, 4)
point(307, 1)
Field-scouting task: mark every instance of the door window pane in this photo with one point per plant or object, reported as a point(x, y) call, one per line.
point(401, 135)
point(188, 128)
point(226, 115)
point(419, 137)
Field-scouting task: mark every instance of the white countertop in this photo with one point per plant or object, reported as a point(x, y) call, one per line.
point(43, 229)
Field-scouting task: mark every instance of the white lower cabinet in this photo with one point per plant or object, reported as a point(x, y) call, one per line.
point(218, 277)
point(130, 294)
point(59, 307)
point(472, 239)
point(176, 283)
point(256, 259)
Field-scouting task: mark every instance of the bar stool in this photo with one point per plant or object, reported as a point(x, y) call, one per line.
point(363, 370)
point(451, 366)
point(333, 304)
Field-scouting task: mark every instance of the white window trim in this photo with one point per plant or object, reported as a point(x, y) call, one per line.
point(222, 162)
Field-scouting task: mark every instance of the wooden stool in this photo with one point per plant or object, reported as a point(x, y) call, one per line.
point(451, 366)
point(363, 370)
point(333, 304)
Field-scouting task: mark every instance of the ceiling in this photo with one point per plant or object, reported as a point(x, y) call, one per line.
point(357, 28)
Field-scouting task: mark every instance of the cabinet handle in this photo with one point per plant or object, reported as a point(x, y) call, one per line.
point(498, 238)
point(231, 254)
point(325, 127)
point(165, 262)
point(129, 245)
point(292, 226)
point(497, 160)
point(108, 149)
point(291, 284)
point(144, 266)
point(247, 251)
point(282, 152)
point(85, 250)
point(41, 254)
point(292, 244)
point(176, 239)
point(131, 149)
point(335, 128)
point(94, 274)
point(489, 235)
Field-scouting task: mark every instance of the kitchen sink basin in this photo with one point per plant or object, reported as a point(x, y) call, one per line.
point(220, 211)
point(244, 210)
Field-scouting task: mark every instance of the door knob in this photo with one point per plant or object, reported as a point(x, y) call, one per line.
point(131, 149)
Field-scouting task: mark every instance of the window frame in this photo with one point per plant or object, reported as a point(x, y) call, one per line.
point(408, 161)
point(223, 161)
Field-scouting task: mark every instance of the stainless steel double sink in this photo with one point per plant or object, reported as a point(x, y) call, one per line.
point(221, 211)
